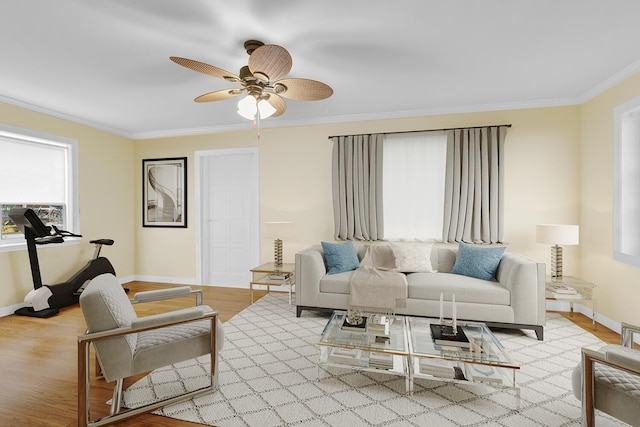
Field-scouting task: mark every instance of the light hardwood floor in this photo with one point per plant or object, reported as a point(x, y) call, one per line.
point(38, 361)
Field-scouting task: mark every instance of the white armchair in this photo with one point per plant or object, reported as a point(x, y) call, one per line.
point(609, 380)
point(126, 345)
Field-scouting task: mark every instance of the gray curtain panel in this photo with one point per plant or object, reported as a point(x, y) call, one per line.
point(474, 185)
point(357, 187)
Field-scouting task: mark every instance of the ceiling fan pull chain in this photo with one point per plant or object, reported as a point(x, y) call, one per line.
point(256, 125)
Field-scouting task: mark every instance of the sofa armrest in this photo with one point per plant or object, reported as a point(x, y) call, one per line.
point(310, 268)
point(525, 280)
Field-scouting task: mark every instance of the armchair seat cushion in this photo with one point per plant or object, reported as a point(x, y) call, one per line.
point(160, 347)
point(617, 392)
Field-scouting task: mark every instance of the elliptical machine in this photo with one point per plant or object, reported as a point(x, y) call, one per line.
point(45, 300)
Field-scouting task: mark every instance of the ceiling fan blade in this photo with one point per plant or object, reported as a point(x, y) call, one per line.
point(203, 68)
point(270, 62)
point(219, 95)
point(278, 103)
point(302, 89)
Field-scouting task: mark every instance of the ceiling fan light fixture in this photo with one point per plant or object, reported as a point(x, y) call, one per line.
point(247, 107)
point(266, 109)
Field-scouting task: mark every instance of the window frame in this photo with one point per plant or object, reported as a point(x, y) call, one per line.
point(72, 214)
point(621, 179)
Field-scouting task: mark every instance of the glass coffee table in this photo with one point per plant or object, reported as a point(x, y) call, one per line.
point(379, 350)
point(406, 348)
point(484, 361)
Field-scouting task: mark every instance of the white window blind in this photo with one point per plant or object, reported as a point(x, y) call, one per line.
point(413, 185)
point(32, 172)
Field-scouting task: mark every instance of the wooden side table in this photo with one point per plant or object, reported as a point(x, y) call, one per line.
point(584, 292)
point(261, 275)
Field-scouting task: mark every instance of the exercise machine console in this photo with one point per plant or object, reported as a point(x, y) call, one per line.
point(45, 300)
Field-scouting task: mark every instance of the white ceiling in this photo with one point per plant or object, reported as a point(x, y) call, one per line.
point(106, 63)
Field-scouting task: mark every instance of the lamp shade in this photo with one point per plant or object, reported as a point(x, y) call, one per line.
point(558, 234)
point(247, 107)
point(278, 230)
point(265, 109)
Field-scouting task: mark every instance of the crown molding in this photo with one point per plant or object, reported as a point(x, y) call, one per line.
point(618, 77)
point(64, 116)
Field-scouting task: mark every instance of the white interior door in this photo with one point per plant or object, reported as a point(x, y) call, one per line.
point(229, 219)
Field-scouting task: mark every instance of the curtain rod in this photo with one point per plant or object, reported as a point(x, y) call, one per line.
point(423, 130)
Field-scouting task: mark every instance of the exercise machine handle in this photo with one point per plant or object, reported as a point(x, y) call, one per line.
point(64, 233)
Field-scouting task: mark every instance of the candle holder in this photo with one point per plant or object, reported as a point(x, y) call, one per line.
point(449, 327)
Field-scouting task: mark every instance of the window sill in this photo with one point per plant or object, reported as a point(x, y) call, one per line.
point(21, 245)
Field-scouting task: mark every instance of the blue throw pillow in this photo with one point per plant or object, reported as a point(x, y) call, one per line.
point(340, 257)
point(474, 261)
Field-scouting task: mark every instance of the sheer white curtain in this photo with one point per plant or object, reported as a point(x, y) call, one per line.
point(413, 185)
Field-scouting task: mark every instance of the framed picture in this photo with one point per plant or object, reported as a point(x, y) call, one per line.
point(164, 192)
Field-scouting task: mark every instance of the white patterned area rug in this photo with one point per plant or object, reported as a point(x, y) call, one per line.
point(269, 377)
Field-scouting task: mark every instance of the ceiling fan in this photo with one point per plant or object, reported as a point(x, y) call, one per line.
point(262, 80)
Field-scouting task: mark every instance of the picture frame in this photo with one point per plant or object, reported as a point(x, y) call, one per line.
point(164, 192)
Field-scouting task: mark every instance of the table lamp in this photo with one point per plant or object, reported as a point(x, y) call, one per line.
point(278, 231)
point(556, 235)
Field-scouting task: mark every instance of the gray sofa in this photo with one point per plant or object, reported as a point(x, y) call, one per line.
point(516, 300)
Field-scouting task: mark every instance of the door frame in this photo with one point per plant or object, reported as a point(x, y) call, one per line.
point(200, 186)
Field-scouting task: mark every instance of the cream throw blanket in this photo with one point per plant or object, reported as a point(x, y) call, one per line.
point(377, 284)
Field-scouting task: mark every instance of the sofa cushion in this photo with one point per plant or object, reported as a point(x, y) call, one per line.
point(340, 257)
point(412, 257)
point(478, 262)
point(428, 286)
point(338, 283)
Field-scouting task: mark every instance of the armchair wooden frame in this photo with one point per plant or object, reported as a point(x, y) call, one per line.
point(589, 359)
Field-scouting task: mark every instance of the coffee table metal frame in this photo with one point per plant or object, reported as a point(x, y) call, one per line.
point(414, 354)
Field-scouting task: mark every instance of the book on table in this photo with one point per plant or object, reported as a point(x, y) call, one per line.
point(378, 325)
point(436, 368)
point(380, 360)
point(346, 356)
point(562, 289)
point(446, 335)
point(270, 281)
point(354, 327)
point(566, 296)
point(279, 276)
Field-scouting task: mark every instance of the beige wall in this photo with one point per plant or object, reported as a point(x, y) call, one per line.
point(106, 210)
point(558, 169)
point(618, 290)
point(542, 173)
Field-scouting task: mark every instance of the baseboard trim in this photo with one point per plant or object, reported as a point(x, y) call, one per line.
point(161, 279)
point(7, 311)
point(587, 311)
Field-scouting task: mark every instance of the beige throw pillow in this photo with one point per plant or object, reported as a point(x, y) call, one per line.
point(412, 257)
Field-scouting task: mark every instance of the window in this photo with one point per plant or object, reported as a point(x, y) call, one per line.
point(414, 167)
point(37, 171)
point(626, 170)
